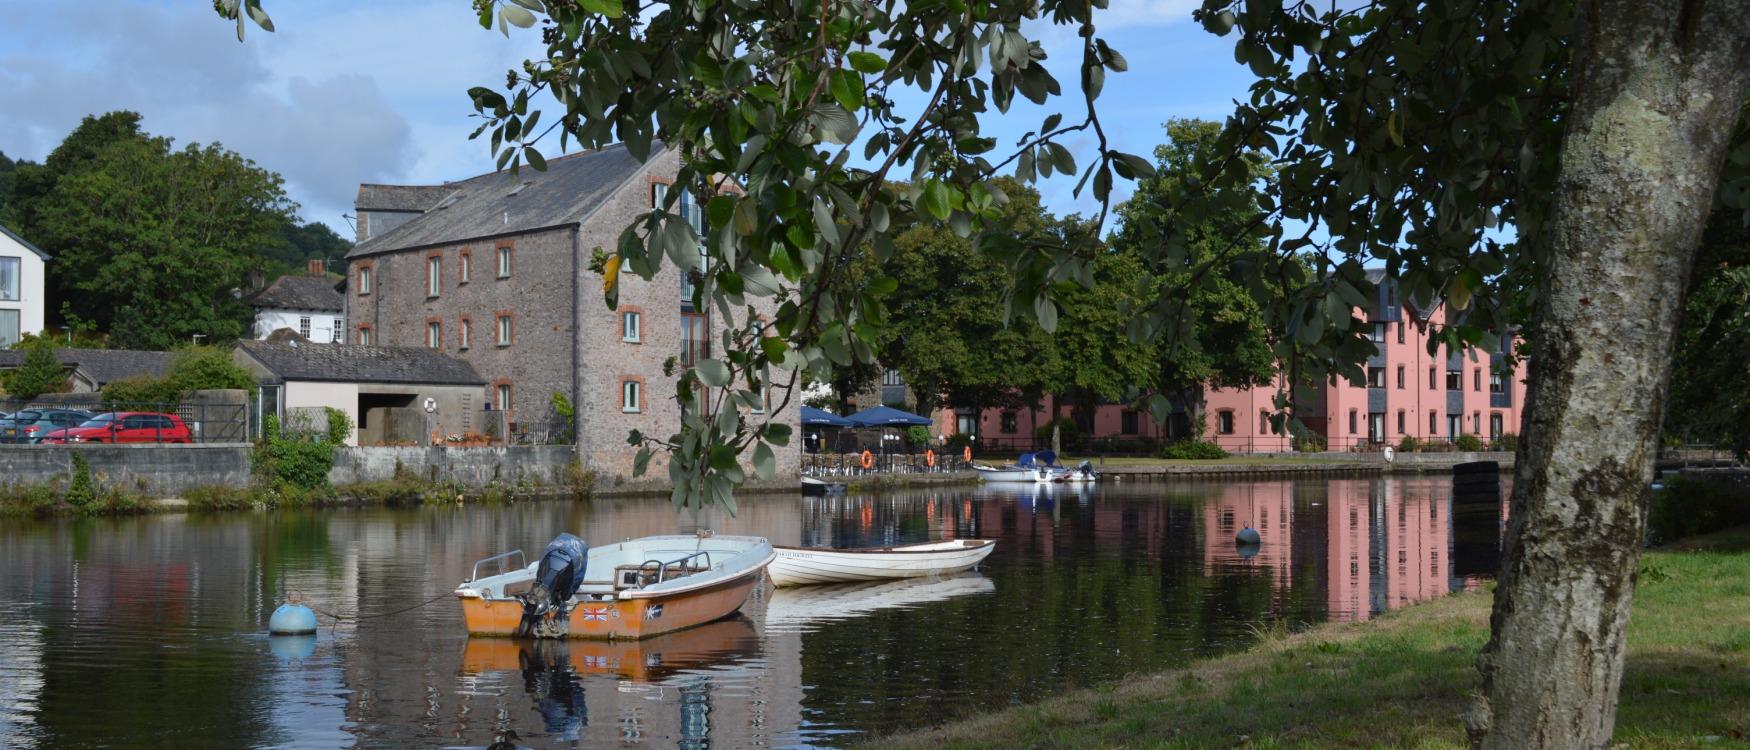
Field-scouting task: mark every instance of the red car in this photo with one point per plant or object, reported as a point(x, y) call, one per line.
point(125, 427)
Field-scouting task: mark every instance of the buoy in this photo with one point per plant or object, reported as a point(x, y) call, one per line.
point(292, 647)
point(1248, 535)
point(292, 619)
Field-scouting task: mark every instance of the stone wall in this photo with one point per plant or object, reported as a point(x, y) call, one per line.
point(545, 465)
point(153, 470)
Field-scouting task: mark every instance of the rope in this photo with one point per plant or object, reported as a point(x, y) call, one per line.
point(338, 618)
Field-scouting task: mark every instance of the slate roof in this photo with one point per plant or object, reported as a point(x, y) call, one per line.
point(102, 365)
point(484, 206)
point(301, 293)
point(343, 363)
point(24, 242)
point(399, 197)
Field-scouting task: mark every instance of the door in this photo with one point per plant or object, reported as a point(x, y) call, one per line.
point(1454, 426)
point(1376, 427)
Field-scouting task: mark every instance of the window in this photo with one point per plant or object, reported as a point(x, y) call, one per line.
point(504, 331)
point(1376, 427)
point(695, 341)
point(1127, 422)
point(9, 328)
point(1352, 421)
point(630, 395)
point(504, 263)
point(1010, 421)
point(364, 280)
point(1497, 383)
point(1494, 425)
point(434, 335)
point(9, 279)
point(1455, 380)
point(337, 334)
point(1263, 421)
point(1376, 377)
point(1391, 300)
point(465, 334)
point(465, 268)
point(1400, 377)
point(1476, 380)
point(434, 275)
point(1476, 422)
point(1379, 332)
point(1431, 384)
point(658, 194)
point(1401, 423)
point(891, 377)
point(304, 326)
point(503, 396)
point(629, 326)
point(364, 335)
point(1433, 424)
point(966, 424)
point(1401, 327)
point(1224, 422)
point(1454, 425)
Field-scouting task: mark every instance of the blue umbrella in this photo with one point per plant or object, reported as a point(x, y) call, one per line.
point(887, 416)
point(812, 417)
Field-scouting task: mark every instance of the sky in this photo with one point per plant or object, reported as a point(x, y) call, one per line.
point(346, 92)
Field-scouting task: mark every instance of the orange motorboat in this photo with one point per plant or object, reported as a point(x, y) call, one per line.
point(648, 660)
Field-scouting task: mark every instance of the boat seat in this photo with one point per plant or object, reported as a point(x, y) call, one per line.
point(637, 576)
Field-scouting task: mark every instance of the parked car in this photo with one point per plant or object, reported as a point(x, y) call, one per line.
point(29, 425)
point(124, 427)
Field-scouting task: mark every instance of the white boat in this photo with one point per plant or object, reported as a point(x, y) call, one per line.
point(817, 487)
point(803, 565)
point(795, 609)
point(1012, 473)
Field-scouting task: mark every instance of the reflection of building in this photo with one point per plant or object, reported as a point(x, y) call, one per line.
point(1267, 507)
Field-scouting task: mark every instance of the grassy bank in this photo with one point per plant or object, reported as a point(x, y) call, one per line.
point(1403, 679)
point(1146, 461)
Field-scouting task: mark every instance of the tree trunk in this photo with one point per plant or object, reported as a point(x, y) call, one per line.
point(1657, 88)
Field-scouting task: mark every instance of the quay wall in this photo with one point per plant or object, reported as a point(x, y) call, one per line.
point(152, 470)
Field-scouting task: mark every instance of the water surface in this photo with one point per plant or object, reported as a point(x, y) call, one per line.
point(149, 632)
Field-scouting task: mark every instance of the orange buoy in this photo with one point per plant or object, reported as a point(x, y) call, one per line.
point(930, 458)
point(967, 453)
point(868, 460)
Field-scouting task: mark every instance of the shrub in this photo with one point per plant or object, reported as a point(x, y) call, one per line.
point(203, 368)
point(1309, 443)
point(1468, 443)
point(917, 435)
point(302, 459)
point(35, 499)
point(567, 415)
point(219, 498)
point(1408, 444)
point(82, 491)
point(958, 441)
point(1068, 432)
point(339, 427)
point(140, 391)
point(1694, 505)
point(1507, 442)
point(39, 374)
point(1193, 449)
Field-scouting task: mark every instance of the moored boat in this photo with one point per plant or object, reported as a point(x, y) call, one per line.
point(637, 588)
point(646, 660)
point(804, 565)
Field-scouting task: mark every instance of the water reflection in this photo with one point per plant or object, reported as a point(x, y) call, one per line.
point(147, 631)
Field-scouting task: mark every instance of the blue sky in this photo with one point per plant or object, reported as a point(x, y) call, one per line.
point(348, 92)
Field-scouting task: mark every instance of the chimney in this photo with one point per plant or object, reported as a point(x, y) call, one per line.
point(316, 268)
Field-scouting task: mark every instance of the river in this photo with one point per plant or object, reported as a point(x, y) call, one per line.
point(150, 631)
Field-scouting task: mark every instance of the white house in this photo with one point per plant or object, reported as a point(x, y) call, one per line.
point(21, 288)
point(312, 305)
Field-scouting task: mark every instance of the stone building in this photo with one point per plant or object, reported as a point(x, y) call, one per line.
point(495, 270)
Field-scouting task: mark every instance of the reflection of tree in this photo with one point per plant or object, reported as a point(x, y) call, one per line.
point(549, 679)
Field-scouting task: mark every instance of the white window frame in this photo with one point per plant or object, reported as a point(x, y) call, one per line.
point(365, 280)
point(466, 268)
point(337, 334)
point(503, 333)
point(631, 396)
point(434, 335)
point(364, 337)
point(434, 276)
point(502, 394)
point(304, 326)
point(464, 334)
point(13, 288)
point(630, 327)
point(504, 262)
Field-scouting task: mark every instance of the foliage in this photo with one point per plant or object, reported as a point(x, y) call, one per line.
point(339, 427)
point(195, 368)
point(917, 436)
point(1193, 449)
point(1068, 432)
point(1309, 442)
point(1409, 444)
point(40, 373)
point(219, 497)
point(567, 415)
point(1468, 442)
point(151, 242)
point(1710, 397)
point(141, 392)
point(958, 441)
point(1692, 505)
point(1506, 442)
point(300, 459)
point(81, 489)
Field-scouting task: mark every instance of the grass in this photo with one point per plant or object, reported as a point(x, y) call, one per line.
point(1229, 461)
point(1403, 680)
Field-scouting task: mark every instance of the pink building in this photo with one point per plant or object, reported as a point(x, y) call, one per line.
point(1407, 393)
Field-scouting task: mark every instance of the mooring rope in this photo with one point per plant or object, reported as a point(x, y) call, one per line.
point(337, 618)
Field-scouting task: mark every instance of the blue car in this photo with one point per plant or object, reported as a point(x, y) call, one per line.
point(29, 425)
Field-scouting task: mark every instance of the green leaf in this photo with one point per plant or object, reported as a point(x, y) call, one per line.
point(765, 464)
point(935, 199)
point(712, 372)
point(777, 433)
point(536, 160)
point(867, 62)
point(609, 8)
point(847, 89)
point(641, 462)
point(746, 216)
point(883, 286)
point(1045, 311)
point(518, 17)
point(534, 5)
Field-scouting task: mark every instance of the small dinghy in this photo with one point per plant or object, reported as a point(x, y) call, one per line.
point(817, 488)
point(633, 589)
point(796, 566)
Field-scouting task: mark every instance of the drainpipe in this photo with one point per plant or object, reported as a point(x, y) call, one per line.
point(576, 331)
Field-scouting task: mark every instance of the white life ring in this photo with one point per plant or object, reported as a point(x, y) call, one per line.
point(1389, 454)
point(430, 405)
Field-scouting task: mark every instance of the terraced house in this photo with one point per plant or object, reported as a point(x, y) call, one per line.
point(495, 269)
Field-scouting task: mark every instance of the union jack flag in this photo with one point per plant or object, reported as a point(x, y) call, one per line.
point(595, 613)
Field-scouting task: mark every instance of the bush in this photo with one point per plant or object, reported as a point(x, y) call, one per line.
point(1689, 506)
point(567, 416)
point(1408, 444)
point(1468, 443)
point(958, 441)
point(1198, 450)
point(1068, 432)
point(205, 368)
point(141, 391)
point(1507, 442)
point(82, 491)
point(219, 498)
point(301, 460)
point(40, 373)
point(918, 436)
point(1309, 443)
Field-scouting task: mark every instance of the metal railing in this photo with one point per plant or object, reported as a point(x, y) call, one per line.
point(206, 422)
point(851, 464)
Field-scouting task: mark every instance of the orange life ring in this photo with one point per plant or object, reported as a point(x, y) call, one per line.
point(868, 460)
point(967, 453)
point(930, 458)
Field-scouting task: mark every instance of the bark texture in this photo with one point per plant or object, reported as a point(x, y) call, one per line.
point(1658, 87)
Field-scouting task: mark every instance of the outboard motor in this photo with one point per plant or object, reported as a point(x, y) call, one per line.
point(1086, 469)
point(547, 606)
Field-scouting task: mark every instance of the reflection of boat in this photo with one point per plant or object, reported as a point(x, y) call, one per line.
point(644, 587)
point(792, 608)
point(647, 660)
point(799, 565)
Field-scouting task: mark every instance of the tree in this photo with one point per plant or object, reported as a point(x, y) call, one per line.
point(151, 243)
point(1595, 130)
point(1214, 335)
point(1710, 398)
point(40, 373)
